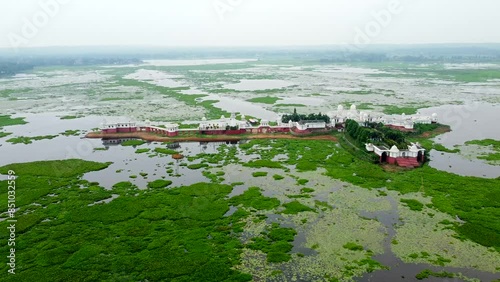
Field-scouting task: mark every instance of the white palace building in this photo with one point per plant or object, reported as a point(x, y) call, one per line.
point(403, 122)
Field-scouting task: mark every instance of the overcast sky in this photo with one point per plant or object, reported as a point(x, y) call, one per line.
point(29, 23)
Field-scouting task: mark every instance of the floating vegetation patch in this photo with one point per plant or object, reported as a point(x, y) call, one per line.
point(165, 151)
point(182, 228)
point(159, 183)
point(413, 204)
point(302, 181)
point(426, 273)
point(492, 157)
point(395, 110)
point(253, 198)
point(263, 163)
point(353, 246)
point(70, 132)
point(259, 173)
point(264, 100)
point(197, 166)
point(134, 142)
point(4, 134)
point(275, 242)
point(70, 117)
point(8, 121)
point(142, 151)
point(441, 148)
point(441, 244)
point(295, 207)
point(29, 140)
point(278, 177)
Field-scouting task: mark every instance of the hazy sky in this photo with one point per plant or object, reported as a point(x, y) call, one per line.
point(28, 23)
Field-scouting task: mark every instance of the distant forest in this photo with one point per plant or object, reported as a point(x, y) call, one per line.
point(13, 65)
point(16, 61)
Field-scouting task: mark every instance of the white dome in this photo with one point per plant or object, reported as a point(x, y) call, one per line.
point(340, 108)
point(394, 149)
point(222, 117)
point(204, 119)
point(434, 115)
point(353, 107)
point(243, 117)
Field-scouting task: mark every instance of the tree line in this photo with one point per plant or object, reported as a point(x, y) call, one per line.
point(295, 117)
point(376, 133)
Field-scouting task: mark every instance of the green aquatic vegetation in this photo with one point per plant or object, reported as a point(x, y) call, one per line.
point(253, 198)
point(299, 196)
point(275, 243)
point(29, 140)
point(290, 105)
point(353, 246)
point(263, 163)
point(278, 177)
point(159, 183)
point(414, 205)
point(124, 187)
point(141, 151)
point(197, 166)
point(6, 120)
point(441, 148)
point(371, 264)
point(165, 151)
point(306, 165)
point(302, 181)
point(133, 176)
point(143, 174)
point(485, 142)
point(493, 157)
point(133, 237)
point(135, 142)
point(69, 117)
point(295, 207)
point(214, 177)
point(4, 134)
point(64, 168)
point(306, 190)
point(259, 173)
point(264, 100)
point(395, 110)
point(323, 205)
point(70, 132)
point(426, 273)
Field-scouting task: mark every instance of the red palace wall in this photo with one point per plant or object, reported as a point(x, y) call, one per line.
point(172, 134)
point(235, 132)
point(128, 129)
point(280, 129)
point(109, 130)
point(223, 132)
point(391, 160)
